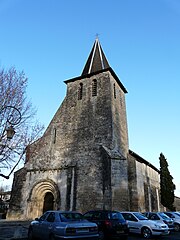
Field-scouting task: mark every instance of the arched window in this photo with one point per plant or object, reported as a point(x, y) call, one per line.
point(94, 88)
point(114, 90)
point(80, 91)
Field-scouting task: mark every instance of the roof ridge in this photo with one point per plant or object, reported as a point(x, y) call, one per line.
point(89, 71)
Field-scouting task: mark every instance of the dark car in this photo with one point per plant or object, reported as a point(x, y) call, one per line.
point(111, 224)
point(62, 225)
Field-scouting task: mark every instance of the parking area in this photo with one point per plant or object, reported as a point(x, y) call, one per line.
point(18, 230)
point(13, 229)
point(172, 236)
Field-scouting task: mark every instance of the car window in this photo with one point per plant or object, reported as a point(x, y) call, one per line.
point(154, 217)
point(129, 217)
point(88, 215)
point(140, 216)
point(70, 217)
point(115, 215)
point(44, 216)
point(51, 217)
point(178, 214)
point(164, 216)
point(97, 215)
point(170, 215)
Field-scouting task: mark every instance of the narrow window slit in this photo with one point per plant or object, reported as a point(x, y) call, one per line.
point(54, 137)
point(114, 91)
point(94, 88)
point(80, 91)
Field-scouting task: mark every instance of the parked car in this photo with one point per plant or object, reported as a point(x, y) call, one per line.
point(111, 224)
point(140, 224)
point(176, 218)
point(62, 225)
point(160, 217)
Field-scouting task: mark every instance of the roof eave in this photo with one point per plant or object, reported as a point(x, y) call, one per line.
point(97, 72)
point(142, 160)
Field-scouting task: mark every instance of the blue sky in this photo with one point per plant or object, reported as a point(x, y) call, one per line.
point(51, 39)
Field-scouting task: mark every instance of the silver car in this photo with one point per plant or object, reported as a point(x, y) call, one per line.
point(161, 217)
point(140, 224)
point(176, 218)
point(62, 225)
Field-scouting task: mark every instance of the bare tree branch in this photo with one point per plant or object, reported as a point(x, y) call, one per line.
point(15, 110)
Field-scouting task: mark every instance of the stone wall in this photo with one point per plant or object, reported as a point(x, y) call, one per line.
point(15, 210)
point(177, 203)
point(144, 192)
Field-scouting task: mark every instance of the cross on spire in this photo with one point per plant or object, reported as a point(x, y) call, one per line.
point(97, 35)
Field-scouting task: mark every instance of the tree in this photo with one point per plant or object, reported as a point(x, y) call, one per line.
point(167, 186)
point(16, 113)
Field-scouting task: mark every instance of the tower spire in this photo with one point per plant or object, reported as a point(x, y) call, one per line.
point(96, 60)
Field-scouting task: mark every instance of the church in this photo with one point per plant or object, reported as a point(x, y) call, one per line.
point(83, 161)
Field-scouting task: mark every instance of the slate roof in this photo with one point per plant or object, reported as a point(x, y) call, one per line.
point(96, 60)
point(97, 63)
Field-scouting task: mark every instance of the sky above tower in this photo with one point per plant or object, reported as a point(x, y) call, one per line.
point(51, 41)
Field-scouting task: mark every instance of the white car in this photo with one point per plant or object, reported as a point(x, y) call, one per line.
point(138, 223)
point(176, 218)
point(160, 217)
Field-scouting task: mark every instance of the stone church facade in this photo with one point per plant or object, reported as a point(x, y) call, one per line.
point(83, 160)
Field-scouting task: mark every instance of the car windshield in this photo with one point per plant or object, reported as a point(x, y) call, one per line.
point(66, 217)
point(140, 216)
point(178, 214)
point(115, 215)
point(164, 216)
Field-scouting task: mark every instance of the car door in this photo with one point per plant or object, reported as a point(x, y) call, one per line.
point(133, 224)
point(47, 226)
point(155, 217)
point(38, 225)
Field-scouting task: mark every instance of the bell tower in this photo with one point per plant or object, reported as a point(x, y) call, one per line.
point(108, 94)
point(100, 123)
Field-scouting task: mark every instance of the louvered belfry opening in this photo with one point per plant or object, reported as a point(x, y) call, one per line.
point(94, 88)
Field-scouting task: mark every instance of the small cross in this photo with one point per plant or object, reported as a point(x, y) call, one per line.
point(97, 35)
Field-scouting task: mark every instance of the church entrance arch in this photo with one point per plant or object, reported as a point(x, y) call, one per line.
point(44, 196)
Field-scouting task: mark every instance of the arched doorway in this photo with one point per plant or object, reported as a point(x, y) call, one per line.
point(44, 196)
point(48, 202)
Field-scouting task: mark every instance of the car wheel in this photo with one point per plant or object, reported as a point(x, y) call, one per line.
point(30, 234)
point(176, 227)
point(146, 233)
point(101, 235)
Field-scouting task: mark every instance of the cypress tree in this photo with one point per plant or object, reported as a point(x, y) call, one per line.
point(167, 186)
